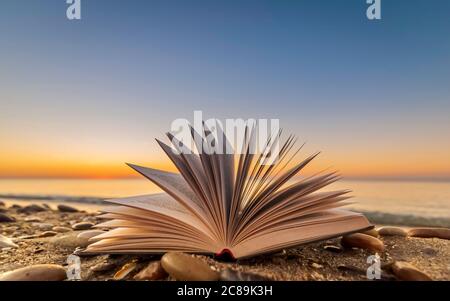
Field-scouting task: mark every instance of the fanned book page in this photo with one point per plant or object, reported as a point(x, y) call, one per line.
point(240, 203)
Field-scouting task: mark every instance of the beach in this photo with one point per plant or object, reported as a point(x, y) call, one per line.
point(43, 233)
point(47, 235)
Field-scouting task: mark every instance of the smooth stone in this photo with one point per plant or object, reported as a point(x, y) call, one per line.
point(48, 234)
point(316, 265)
point(231, 275)
point(66, 208)
point(69, 241)
point(362, 241)
point(372, 232)
point(47, 206)
point(442, 233)
point(15, 206)
point(406, 271)
point(89, 234)
point(61, 229)
point(82, 226)
point(392, 231)
point(182, 266)
point(39, 272)
point(31, 209)
point(33, 219)
point(42, 226)
point(430, 251)
point(5, 218)
point(6, 242)
point(124, 271)
point(334, 249)
point(153, 271)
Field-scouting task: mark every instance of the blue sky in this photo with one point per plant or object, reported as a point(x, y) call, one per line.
point(112, 81)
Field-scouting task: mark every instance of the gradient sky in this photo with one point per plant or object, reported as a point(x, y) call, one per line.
point(79, 98)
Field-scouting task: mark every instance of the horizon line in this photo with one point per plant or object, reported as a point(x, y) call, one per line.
point(344, 178)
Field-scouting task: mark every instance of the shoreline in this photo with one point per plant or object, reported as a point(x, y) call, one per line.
point(92, 203)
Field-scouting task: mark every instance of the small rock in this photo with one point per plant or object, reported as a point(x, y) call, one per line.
point(66, 208)
point(5, 218)
point(316, 265)
point(392, 231)
point(6, 242)
point(42, 226)
point(372, 232)
point(231, 275)
point(89, 234)
point(15, 206)
point(33, 219)
point(182, 266)
point(430, 251)
point(47, 206)
point(125, 271)
point(406, 271)
point(61, 229)
point(362, 241)
point(69, 241)
point(334, 249)
point(39, 272)
point(442, 233)
point(47, 234)
point(82, 226)
point(31, 209)
point(154, 271)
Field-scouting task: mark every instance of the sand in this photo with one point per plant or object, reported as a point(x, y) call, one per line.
point(309, 262)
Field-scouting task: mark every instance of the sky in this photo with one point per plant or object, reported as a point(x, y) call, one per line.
point(80, 98)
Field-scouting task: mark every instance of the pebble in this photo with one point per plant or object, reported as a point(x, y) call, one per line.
point(33, 219)
point(66, 208)
point(82, 226)
point(316, 265)
point(69, 241)
point(362, 241)
point(430, 251)
point(232, 275)
point(334, 249)
point(153, 271)
point(392, 231)
point(5, 218)
point(47, 234)
point(372, 232)
point(39, 272)
point(406, 271)
point(31, 209)
point(15, 206)
point(6, 242)
point(182, 266)
point(442, 233)
point(61, 229)
point(125, 271)
point(42, 226)
point(89, 234)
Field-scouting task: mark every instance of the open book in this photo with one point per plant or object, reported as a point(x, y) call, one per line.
point(220, 203)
